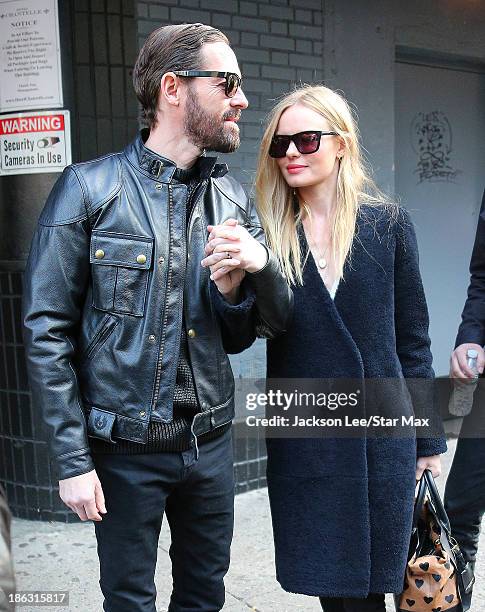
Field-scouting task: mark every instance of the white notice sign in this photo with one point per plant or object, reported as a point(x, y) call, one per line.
point(35, 142)
point(30, 59)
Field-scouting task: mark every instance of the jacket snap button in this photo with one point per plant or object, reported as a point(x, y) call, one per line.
point(141, 259)
point(99, 254)
point(161, 260)
point(191, 333)
point(142, 413)
point(158, 186)
point(152, 338)
point(100, 422)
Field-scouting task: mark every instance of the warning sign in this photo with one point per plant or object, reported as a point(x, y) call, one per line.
point(34, 142)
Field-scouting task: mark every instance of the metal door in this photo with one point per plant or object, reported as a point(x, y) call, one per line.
point(440, 178)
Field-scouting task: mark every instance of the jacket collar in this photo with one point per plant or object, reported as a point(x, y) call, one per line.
point(162, 169)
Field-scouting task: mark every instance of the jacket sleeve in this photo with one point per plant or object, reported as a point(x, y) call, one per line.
point(267, 301)
point(412, 338)
point(472, 327)
point(55, 284)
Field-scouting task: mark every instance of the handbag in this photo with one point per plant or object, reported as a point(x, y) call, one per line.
point(437, 574)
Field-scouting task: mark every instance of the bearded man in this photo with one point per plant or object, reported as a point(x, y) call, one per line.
point(127, 326)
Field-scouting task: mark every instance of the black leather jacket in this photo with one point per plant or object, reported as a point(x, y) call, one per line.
point(105, 291)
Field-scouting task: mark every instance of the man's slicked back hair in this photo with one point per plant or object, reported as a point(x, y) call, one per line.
point(171, 47)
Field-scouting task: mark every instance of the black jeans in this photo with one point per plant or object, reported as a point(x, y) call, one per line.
point(375, 602)
point(465, 488)
point(198, 498)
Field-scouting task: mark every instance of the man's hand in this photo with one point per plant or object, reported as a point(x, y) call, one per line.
point(84, 496)
point(458, 361)
point(432, 463)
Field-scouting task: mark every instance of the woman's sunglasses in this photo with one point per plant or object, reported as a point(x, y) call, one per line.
point(306, 142)
point(233, 80)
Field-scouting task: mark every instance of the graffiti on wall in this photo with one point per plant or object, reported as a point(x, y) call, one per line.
point(432, 142)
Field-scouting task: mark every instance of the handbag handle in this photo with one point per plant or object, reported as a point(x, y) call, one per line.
point(428, 485)
point(418, 504)
point(438, 506)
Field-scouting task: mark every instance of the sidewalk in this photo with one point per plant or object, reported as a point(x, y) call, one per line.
point(54, 556)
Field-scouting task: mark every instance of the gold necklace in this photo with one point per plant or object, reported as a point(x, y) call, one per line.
point(321, 261)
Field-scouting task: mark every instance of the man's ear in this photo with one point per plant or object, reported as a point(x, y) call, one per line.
point(170, 89)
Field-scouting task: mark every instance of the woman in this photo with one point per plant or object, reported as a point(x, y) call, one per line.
point(341, 508)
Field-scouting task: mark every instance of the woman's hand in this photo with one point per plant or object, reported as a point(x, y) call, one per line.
point(432, 463)
point(231, 241)
point(225, 271)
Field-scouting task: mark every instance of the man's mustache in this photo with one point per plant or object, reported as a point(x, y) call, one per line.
point(232, 115)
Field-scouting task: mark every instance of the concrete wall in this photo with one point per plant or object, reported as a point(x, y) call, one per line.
point(444, 26)
point(360, 42)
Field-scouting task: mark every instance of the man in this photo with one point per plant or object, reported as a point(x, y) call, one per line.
point(126, 332)
point(465, 486)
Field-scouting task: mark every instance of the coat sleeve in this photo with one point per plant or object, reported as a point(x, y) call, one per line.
point(236, 321)
point(472, 327)
point(267, 301)
point(55, 284)
point(412, 337)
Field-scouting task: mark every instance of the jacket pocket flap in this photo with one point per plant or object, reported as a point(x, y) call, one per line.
point(112, 249)
point(100, 424)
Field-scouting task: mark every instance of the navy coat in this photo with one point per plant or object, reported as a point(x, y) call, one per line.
point(342, 508)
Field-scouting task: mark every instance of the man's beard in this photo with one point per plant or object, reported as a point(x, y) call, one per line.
point(208, 131)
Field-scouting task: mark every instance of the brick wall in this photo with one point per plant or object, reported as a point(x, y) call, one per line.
point(104, 51)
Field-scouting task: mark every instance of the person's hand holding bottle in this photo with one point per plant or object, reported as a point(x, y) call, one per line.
point(459, 367)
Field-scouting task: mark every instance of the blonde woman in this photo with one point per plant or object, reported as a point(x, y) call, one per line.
point(341, 508)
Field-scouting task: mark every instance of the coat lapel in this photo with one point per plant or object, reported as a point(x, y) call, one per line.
point(312, 281)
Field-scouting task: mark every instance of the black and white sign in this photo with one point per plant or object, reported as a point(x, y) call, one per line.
point(30, 61)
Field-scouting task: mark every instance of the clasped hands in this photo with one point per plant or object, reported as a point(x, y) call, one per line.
point(231, 251)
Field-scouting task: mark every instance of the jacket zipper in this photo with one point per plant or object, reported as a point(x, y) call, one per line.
point(169, 284)
point(165, 313)
point(108, 325)
point(189, 235)
point(184, 263)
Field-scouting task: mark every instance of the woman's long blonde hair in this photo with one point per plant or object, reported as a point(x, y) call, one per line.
point(276, 200)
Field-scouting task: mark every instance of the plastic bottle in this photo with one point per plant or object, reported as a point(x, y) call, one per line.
point(461, 400)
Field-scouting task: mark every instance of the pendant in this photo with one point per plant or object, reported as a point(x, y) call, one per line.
point(322, 263)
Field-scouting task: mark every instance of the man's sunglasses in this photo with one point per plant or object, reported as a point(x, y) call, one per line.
point(233, 80)
point(306, 142)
